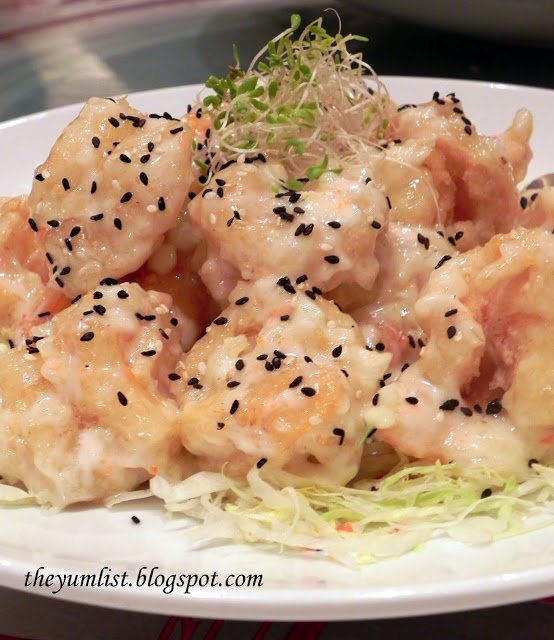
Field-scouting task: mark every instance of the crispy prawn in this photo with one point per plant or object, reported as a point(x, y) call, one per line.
point(254, 225)
point(86, 410)
point(113, 184)
point(482, 390)
point(279, 381)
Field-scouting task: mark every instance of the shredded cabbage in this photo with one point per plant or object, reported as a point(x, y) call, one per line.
point(354, 525)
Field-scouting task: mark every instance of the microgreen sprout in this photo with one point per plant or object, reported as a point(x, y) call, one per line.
point(303, 101)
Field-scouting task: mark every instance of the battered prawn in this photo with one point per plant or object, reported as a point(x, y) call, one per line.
point(482, 390)
point(25, 300)
point(475, 176)
point(280, 381)
point(254, 225)
point(86, 410)
point(113, 184)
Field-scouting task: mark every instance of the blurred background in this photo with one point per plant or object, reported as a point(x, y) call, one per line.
point(55, 52)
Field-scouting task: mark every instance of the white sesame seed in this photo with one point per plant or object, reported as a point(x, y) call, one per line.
point(202, 368)
point(29, 356)
point(439, 417)
point(210, 195)
point(313, 420)
point(358, 394)
point(151, 208)
point(326, 246)
point(213, 219)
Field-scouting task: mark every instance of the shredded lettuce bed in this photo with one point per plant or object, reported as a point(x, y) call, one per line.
point(356, 525)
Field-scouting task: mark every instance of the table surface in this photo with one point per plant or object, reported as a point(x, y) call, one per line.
point(55, 52)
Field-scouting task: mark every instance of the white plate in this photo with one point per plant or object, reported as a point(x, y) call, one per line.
point(444, 576)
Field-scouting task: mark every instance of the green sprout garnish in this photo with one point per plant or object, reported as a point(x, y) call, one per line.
point(303, 101)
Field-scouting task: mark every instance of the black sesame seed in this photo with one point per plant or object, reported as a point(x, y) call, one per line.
point(220, 321)
point(161, 203)
point(389, 203)
point(60, 282)
point(449, 405)
point(300, 229)
point(269, 366)
point(149, 353)
point(494, 407)
point(404, 366)
point(135, 519)
point(307, 359)
point(239, 365)
point(262, 356)
point(174, 322)
point(477, 408)
point(97, 295)
point(87, 337)
point(33, 225)
point(376, 225)
point(531, 462)
point(380, 346)
point(234, 407)
point(39, 177)
point(100, 309)
point(289, 288)
point(124, 158)
point(68, 244)
point(337, 351)
point(65, 271)
point(144, 159)
point(193, 381)
point(143, 178)
point(126, 197)
point(53, 223)
point(261, 462)
point(411, 400)
point(295, 382)
point(442, 261)
point(423, 240)
point(118, 224)
point(468, 130)
point(197, 386)
point(340, 434)
point(451, 332)
point(308, 391)
point(122, 294)
point(65, 184)
point(486, 493)
point(96, 217)
point(108, 282)
point(285, 317)
point(220, 425)
point(334, 224)
point(420, 343)
point(122, 399)
point(301, 279)
point(242, 301)
point(451, 312)
point(174, 376)
point(233, 383)
point(43, 314)
point(332, 259)
point(299, 210)
point(176, 130)
point(308, 230)
point(49, 258)
point(466, 411)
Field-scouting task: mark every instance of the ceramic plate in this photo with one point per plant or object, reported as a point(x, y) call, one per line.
point(443, 576)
